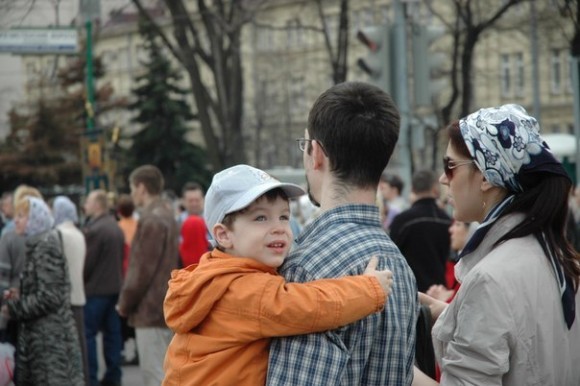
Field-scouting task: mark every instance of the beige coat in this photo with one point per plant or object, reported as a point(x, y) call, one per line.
point(506, 325)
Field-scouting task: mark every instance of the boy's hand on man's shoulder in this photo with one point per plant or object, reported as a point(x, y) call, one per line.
point(385, 277)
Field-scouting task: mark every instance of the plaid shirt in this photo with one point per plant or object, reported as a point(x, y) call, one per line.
point(377, 350)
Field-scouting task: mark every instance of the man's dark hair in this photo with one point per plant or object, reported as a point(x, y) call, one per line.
point(394, 180)
point(423, 181)
point(125, 205)
point(357, 125)
point(150, 176)
point(190, 186)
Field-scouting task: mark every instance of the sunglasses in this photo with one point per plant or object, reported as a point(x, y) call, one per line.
point(449, 165)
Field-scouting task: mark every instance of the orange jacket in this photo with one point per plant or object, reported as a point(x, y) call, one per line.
point(224, 310)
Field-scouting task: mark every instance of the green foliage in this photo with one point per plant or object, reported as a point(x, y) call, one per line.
point(163, 113)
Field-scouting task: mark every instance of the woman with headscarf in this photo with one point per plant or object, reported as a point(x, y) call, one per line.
point(74, 249)
point(514, 320)
point(48, 350)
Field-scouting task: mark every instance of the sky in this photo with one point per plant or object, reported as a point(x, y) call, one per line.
point(42, 15)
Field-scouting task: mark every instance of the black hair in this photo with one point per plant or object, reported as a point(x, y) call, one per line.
point(357, 125)
point(423, 181)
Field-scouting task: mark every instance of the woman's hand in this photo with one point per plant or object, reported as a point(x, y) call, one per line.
point(435, 306)
point(385, 277)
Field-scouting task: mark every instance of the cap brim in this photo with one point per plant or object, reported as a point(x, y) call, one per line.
point(291, 190)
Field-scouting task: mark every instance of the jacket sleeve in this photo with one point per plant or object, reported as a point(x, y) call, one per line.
point(300, 308)
point(145, 254)
point(50, 290)
point(477, 351)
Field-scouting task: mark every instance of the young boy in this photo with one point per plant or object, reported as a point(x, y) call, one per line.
point(224, 310)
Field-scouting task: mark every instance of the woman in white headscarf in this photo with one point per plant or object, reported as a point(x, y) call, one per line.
point(48, 350)
point(75, 249)
point(516, 317)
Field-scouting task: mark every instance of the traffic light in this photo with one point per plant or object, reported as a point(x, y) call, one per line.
point(426, 64)
point(376, 64)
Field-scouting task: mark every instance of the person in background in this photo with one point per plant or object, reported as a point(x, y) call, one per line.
point(103, 279)
point(128, 224)
point(391, 187)
point(459, 232)
point(352, 130)
point(194, 235)
point(515, 319)
point(12, 259)
point(48, 350)
point(194, 241)
point(421, 232)
point(74, 249)
point(192, 199)
point(7, 209)
point(154, 254)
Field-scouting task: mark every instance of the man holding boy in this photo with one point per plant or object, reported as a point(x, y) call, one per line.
point(225, 309)
point(352, 131)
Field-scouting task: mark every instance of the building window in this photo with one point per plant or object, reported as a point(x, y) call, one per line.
point(505, 75)
point(556, 72)
point(520, 74)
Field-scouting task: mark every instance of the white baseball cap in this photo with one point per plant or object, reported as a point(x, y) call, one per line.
point(237, 187)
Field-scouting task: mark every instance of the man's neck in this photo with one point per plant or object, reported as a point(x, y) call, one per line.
point(334, 195)
point(148, 199)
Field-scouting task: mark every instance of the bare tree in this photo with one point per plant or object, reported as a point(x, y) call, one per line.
point(469, 20)
point(338, 53)
point(207, 38)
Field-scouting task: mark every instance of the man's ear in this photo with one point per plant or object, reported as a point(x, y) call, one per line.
point(221, 235)
point(318, 156)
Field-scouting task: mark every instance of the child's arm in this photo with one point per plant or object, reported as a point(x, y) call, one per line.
point(300, 308)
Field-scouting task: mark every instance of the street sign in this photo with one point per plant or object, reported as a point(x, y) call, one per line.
point(39, 41)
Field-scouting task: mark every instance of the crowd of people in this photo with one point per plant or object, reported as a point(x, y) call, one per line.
point(261, 282)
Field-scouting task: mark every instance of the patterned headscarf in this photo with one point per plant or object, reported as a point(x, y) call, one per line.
point(39, 217)
point(505, 144)
point(63, 210)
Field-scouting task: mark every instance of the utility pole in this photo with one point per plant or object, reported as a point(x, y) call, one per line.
point(92, 149)
point(401, 92)
point(534, 54)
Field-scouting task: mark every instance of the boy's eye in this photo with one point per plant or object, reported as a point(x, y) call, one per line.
point(285, 218)
point(260, 218)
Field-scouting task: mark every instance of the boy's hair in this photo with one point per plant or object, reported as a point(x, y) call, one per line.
point(357, 126)
point(270, 195)
point(150, 176)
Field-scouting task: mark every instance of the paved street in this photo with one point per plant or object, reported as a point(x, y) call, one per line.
point(132, 376)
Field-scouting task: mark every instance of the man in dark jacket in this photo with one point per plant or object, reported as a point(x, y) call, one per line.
point(153, 256)
point(102, 276)
point(422, 232)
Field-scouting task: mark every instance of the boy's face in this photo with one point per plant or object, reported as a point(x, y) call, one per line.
point(262, 232)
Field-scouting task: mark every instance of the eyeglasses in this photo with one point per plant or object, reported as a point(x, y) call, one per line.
point(303, 141)
point(449, 165)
